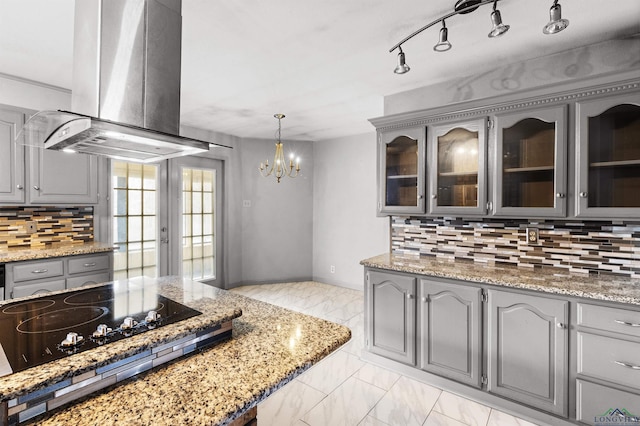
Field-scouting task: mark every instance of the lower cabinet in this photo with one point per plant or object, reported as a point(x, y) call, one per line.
point(27, 278)
point(450, 331)
point(511, 343)
point(528, 349)
point(608, 365)
point(391, 304)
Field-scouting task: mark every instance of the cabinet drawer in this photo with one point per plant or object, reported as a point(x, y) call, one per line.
point(84, 264)
point(101, 277)
point(38, 270)
point(594, 403)
point(31, 289)
point(609, 319)
point(609, 359)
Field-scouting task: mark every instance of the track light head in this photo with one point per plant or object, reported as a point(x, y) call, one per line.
point(498, 27)
point(443, 43)
point(556, 23)
point(402, 67)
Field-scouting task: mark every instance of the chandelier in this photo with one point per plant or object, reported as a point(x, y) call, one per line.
point(279, 167)
point(555, 25)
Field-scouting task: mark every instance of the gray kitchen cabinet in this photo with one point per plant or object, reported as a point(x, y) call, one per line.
point(391, 305)
point(12, 182)
point(528, 352)
point(26, 278)
point(450, 330)
point(30, 175)
point(457, 158)
point(608, 363)
point(401, 171)
point(608, 156)
point(58, 177)
point(530, 155)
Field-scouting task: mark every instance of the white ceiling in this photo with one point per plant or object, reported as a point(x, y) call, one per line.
point(323, 63)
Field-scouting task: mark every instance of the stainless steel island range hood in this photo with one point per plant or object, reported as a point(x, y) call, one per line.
point(126, 85)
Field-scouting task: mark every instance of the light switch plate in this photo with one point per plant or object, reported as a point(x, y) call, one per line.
point(533, 236)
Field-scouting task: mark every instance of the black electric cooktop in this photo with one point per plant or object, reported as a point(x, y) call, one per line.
point(37, 331)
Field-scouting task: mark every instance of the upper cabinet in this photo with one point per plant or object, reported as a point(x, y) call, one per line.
point(457, 165)
point(12, 180)
point(608, 157)
point(530, 163)
point(29, 175)
point(401, 178)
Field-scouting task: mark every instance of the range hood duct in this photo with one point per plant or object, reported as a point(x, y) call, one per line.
point(126, 85)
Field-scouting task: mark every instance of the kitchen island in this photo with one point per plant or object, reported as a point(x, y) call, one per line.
point(217, 385)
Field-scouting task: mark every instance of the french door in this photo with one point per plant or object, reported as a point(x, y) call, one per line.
point(166, 219)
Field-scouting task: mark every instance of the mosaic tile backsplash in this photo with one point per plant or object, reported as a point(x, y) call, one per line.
point(54, 226)
point(590, 247)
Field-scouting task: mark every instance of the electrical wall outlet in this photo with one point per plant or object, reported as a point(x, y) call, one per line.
point(332, 269)
point(533, 236)
point(32, 227)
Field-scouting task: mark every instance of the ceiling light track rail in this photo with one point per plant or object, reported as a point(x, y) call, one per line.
point(555, 25)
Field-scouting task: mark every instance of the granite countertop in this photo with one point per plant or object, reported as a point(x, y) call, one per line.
point(549, 280)
point(19, 254)
point(270, 346)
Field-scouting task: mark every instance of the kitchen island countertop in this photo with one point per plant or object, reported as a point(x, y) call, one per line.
point(613, 288)
point(270, 346)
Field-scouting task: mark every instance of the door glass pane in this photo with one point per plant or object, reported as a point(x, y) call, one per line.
point(402, 172)
point(614, 158)
point(134, 219)
point(198, 237)
point(458, 168)
point(528, 171)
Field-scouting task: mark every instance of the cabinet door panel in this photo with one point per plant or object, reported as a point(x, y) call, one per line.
point(401, 168)
point(450, 331)
point(391, 306)
point(457, 168)
point(530, 163)
point(599, 403)
point(61, 178)
point(38, 288)
point(608, 156)
point(12, 158)
point(528, 352)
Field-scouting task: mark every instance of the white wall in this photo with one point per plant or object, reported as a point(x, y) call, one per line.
point(345, 227)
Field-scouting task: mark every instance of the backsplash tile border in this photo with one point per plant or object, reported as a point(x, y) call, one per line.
point(582, 246)
point(54, 226)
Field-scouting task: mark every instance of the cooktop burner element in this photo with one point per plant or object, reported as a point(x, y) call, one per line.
point(37, 331)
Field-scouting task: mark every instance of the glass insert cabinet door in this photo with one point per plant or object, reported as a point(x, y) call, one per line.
point(530, 155)
point(457, 154)
point(608, 136)
point(401, 180)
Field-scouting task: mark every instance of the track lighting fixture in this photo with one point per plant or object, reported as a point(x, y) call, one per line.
point(496, 19)
point(443, 43)
point(463, 7)
point(402, 65)
point(556, 23)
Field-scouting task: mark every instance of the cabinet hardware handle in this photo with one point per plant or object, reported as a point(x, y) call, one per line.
point(584, 194)
point(409, 296)
point(419, 197)
point(36, 187)
point(559, 195)
point(39, 271)
point(89, 265)
point(631, 366)
point(19, 186)
point(560, 325)
point(424, 299)
point(434, 196)
point(630, 324)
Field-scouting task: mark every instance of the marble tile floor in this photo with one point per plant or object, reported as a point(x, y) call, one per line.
point(345, 390)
